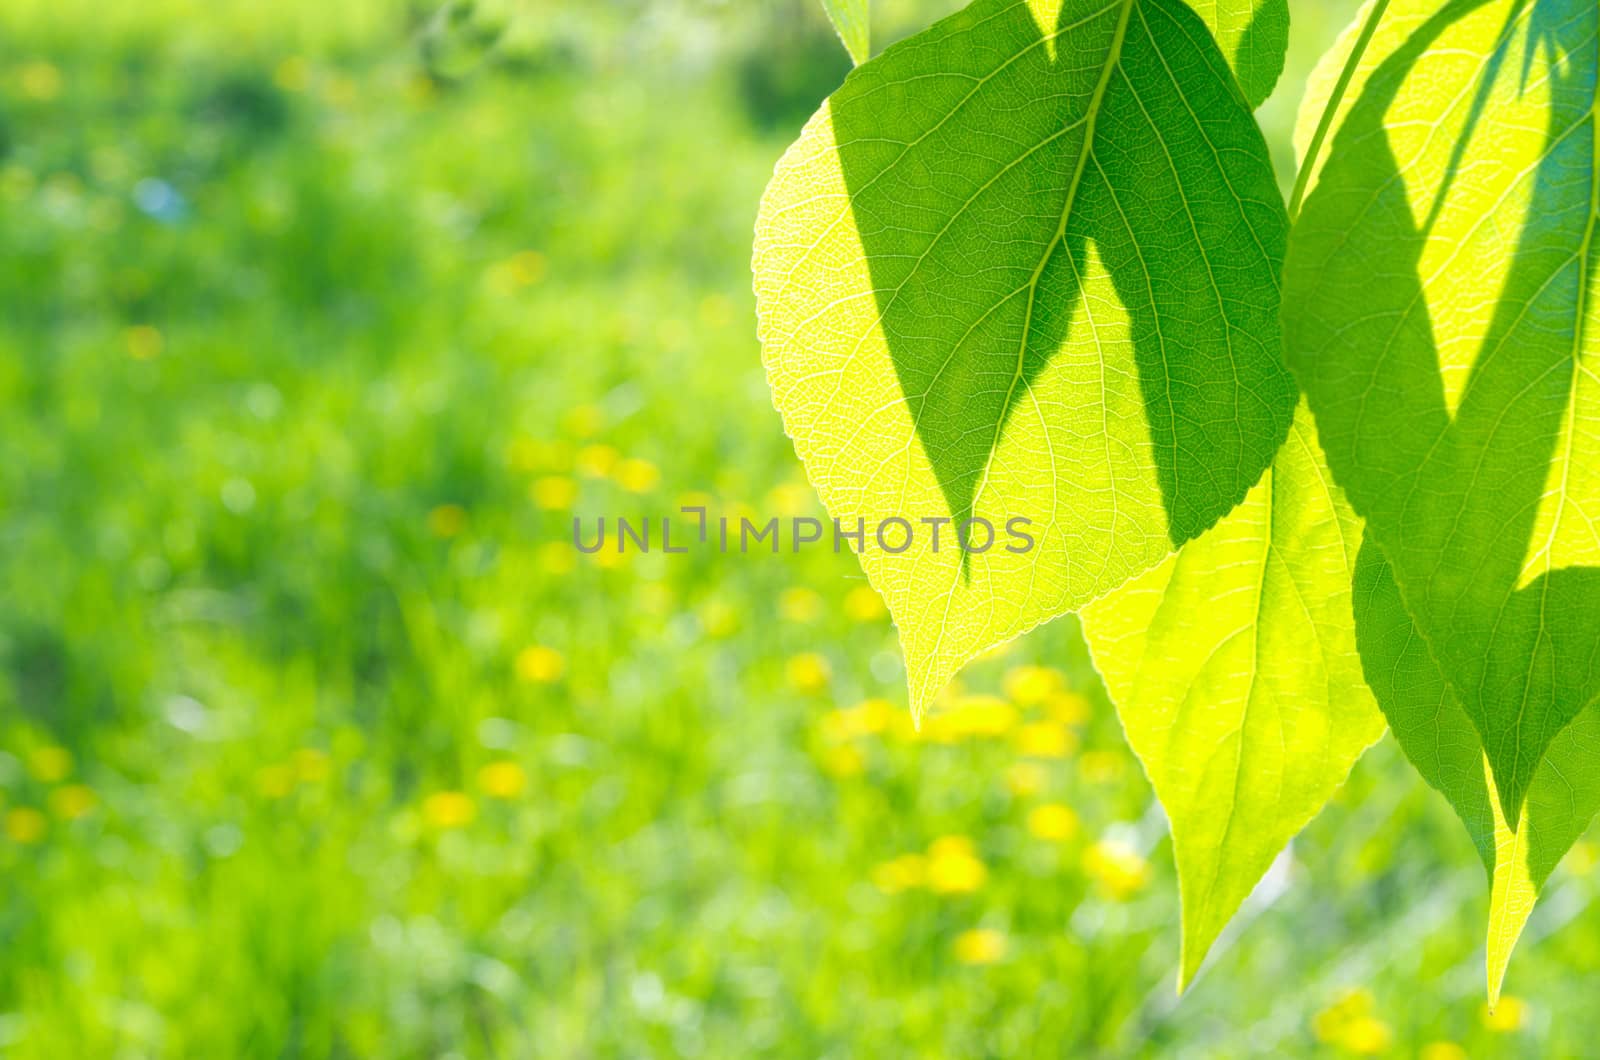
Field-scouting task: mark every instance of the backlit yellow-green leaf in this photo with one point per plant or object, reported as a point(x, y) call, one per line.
point(1428, 721)
point(1024, 265)
point(1440, 314)
point(1441, 742)
point(1234, 669)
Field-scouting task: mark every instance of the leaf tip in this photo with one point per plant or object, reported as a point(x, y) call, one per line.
point(1496, 963)
point(1191, 958)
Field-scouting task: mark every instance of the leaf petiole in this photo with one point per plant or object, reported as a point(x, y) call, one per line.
point(1351, 65)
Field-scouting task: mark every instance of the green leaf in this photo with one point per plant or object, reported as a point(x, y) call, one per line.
point(1440, 741)
point(1235, 672)
point(1022, 269)
point(852, 21)
point(1439, 311)
point(1254, 36)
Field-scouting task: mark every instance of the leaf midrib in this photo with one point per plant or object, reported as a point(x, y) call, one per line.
point(1045, 40)
point(1085, 149)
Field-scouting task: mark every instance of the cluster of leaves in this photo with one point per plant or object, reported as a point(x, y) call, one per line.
point(1304, 468)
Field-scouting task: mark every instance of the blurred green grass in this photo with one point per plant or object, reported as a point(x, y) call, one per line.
point(318, 322)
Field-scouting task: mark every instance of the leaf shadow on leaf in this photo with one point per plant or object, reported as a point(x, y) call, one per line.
point(1439, 739)
point(1453, 499)
point(1442, 743)
point(969, 335)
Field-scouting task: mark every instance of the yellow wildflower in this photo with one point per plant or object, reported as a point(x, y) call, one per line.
point(608, 559)
point(293, 74)
point(447, 520)
point(41, 81)
point(799, 605)
point(972, 716)
point(581, 421)
point(1443, 1051)
point(861, 604)
point(1508, 1016)
point(1367, 1037)
point(654, 599)
point(50, 764)
point(524, 454)
point(275, 781)
point(808, 672)
point(597, 461)
point(1068, 708)
point(143, 342)
point(869, 717)
point(502, 780)
point(554, 492)
point(557, 557)
point(877, 715)
point(980, 946)
point(25, 825)
point(1053, 822)
point(735, 514)
point(637, 476)
point(524, 268)
point(843, 760)
point(1025, 778)
point(952, 846)
point(72, 801)
point(1120, 871)
point(1349, 1024)
point(720, 618)
point(448, 809)
point(1029, 686)
point(790, 499)
point(528, 454)
point(1349, 1005)
point(419, 90)
point(537, 664)
point(954, 867)
point(310, 765)
point(1045, 739)
point(901, 873)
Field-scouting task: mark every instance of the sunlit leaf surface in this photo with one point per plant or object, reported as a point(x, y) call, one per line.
point(1024, 265)
point(1234, 669)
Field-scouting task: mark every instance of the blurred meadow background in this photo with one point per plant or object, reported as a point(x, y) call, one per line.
point(319, 321)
